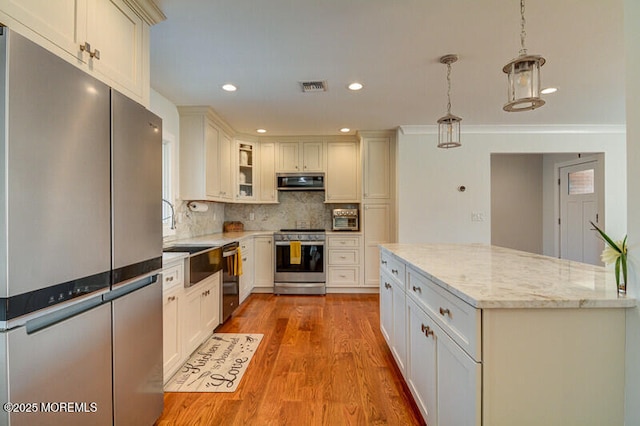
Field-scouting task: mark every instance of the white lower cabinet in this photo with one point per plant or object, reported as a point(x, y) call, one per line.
point(343, 261)
point(189, 315)
point(172, 300)
point(201, 312)
point(421, 372)
point(264, 264)
point(172, 293)
point(501, 366)
point(444, 380)
point(248, 265)
point(393, 319)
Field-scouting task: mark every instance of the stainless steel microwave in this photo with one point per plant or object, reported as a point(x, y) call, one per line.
point(345, 219)
point(300, 181)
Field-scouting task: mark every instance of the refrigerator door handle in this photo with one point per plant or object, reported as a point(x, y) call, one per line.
point(60, 315)
point(131, 287)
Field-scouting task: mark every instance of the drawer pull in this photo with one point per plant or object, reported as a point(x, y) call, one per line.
point(171, 298)
point(444, 312)
point(387, 285)
point(394, 271)
point(384, 262)
point(426, 330)
point(417, 289)
point(169, 279)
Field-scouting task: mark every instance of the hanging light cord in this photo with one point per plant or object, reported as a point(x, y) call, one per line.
point(449, 88)
point(523, 33)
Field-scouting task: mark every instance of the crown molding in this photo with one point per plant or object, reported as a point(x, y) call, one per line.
point(147, 10)
point(521, 129)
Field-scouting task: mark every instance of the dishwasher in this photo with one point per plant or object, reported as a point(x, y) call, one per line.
point(230, 279)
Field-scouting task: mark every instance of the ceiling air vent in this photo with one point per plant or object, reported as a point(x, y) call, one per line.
point(314, 86)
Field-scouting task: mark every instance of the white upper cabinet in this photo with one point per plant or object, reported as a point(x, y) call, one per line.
point(121, 37)
point(205, 156)
point(377, 167)
point(300, 156)
point(267, 170)
point(226, 170)
point(246, 184)
point(106, 38)
point(343, 172)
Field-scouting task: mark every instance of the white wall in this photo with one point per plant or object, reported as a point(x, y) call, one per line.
point(516, 201)
point(166, 110)
point(632, 54)
point(431, 209)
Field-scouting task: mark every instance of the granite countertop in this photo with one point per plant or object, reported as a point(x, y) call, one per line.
point(494, 277)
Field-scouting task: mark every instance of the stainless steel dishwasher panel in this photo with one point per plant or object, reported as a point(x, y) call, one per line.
point(64, 366)
point(137, 355)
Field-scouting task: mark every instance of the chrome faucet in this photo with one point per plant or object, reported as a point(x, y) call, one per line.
point(173, 214)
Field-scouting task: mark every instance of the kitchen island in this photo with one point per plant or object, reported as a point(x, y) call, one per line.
point(494, 336)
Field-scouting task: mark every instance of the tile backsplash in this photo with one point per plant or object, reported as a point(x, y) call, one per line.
point(294, 209)
point(194, 224)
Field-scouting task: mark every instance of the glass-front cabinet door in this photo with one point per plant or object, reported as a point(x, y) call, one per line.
point(246, 151)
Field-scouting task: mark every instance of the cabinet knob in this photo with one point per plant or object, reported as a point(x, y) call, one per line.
point(444, 312)
point(417, 289)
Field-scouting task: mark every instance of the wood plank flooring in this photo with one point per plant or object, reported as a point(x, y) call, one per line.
point(322, 361)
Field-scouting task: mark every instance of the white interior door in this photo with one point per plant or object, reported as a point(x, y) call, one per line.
point(580, 189)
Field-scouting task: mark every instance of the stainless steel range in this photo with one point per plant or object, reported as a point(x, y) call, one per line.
point(300, 264)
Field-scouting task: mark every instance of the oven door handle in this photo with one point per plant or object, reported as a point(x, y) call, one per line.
point(229, 253)
point(302, 243)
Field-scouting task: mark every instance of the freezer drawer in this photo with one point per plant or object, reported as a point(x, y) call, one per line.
point(60, 368)
point(137, 356)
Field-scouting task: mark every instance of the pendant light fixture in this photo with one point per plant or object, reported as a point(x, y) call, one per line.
point(449, 125)
point(523, 74)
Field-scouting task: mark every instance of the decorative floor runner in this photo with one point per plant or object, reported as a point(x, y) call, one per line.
point(217, 365)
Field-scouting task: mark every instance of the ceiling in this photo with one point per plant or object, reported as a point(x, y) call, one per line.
point(266, 48)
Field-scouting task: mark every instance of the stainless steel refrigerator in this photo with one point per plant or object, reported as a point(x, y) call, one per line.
point(80, 246)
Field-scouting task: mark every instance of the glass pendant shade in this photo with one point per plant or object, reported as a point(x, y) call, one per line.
point(449, 131)
point(523, 74)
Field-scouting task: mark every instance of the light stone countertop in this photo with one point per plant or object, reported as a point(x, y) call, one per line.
point(218, 239)
point(168, 258)
point(494, 277)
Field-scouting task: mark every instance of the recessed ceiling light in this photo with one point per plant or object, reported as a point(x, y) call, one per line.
point(345, 130)
point(355, 86)
point(229, 87)
point(549, 90)
point(261, 130)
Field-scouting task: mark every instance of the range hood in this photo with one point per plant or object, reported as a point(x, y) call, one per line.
point(300, 181)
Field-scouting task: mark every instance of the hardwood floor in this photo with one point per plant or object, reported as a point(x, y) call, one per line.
point(322, 361)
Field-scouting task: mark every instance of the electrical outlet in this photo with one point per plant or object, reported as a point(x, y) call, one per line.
point(252, 216)
point(477, 217)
